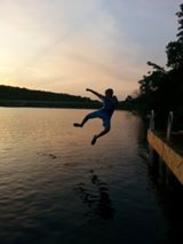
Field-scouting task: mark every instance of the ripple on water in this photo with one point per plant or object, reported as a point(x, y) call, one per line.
point(56, 188)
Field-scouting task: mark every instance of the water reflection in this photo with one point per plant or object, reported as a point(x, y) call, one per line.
point(96, 196)
point(42, 156)
point(170, 197)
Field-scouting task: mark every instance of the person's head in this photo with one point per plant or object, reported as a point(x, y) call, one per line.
point(109, 92)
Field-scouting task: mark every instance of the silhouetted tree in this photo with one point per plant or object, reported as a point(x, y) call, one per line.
point(151, 82)
point(162, 89)
point(174, 49)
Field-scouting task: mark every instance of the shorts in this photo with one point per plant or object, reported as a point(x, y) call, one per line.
point(106, 118)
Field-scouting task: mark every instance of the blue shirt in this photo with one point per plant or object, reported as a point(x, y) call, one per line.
point(109, 105)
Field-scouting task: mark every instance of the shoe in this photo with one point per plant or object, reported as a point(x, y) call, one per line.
point(77, 125)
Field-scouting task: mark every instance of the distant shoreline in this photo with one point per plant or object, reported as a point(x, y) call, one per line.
point(22, 97)
point(59, 105)
point(48, 104)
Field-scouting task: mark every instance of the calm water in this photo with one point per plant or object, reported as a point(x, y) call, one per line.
point(56, 188)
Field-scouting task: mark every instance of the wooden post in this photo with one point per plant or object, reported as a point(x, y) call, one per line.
point(154, 163)
point(169, 125)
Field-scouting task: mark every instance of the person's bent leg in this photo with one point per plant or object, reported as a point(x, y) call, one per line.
point(86, 118)
point(102, 133)
point(107, 127)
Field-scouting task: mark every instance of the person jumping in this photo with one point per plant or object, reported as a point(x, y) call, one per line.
point(105, 113)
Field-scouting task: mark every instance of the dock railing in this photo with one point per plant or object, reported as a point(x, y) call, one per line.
point(169, 124)
point(163, 149)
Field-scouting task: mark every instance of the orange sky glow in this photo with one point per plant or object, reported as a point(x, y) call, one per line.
point(67, 46)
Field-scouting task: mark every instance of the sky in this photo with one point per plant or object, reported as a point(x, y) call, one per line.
point(70, 45)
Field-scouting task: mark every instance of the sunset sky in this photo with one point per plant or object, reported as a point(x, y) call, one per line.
point(69, 45)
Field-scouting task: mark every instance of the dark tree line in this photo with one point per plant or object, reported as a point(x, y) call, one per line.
point(15, 96)
point(14, 93)
point(162, 88)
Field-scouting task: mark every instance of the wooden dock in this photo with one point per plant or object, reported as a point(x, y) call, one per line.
point(167, 152)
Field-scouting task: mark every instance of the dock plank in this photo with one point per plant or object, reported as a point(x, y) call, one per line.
point(172, 158)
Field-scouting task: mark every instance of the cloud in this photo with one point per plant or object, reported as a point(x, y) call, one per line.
point(67, 45)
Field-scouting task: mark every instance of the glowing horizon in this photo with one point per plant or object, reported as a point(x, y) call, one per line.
point(67, 46)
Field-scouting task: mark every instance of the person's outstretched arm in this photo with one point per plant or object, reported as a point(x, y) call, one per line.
point(95, 93)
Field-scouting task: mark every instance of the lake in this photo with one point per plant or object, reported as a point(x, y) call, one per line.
point(57, 188)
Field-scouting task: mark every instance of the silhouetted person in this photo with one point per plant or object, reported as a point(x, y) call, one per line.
point(105, 113)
